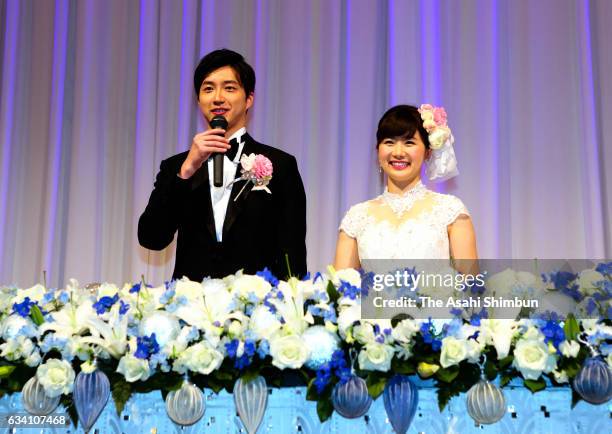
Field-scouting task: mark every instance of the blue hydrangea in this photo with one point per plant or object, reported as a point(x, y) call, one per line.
point(167, 296)
point(604, 268)
point(348, 290)
point(564, 281)
point(429, 337)
point(124, 307)
point(63, 297)
point(232, 348)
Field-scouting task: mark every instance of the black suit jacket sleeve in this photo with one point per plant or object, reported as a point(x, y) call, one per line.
point(291, 232)
point(159, 221)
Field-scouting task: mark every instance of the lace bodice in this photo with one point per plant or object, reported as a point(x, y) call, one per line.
point(409, 226)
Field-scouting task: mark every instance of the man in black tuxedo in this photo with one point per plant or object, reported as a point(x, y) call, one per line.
point(219, 231)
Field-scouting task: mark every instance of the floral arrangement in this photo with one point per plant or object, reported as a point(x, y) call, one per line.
point(221, 332)
point(435, 123)
point(257, 169)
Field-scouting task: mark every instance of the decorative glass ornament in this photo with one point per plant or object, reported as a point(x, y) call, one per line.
point(486, 403)
point(35, 400)
point(90, 394)
point(401, 398)
point(165, 326)
point(594, 381)
point(185, 406)
point(351, 399)
point(321, 344)
point(251, 400)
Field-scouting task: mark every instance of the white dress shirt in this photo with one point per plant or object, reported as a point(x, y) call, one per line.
point(220, 195)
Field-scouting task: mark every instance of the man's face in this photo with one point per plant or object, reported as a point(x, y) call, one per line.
point(221, 94)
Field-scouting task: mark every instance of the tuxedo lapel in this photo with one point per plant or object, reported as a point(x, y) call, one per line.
point(200, 182)
point(236, 203)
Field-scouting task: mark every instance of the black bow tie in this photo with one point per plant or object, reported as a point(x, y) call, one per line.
point(231, 152)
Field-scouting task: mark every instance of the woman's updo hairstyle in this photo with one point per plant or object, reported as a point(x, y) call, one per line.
point(401, 122)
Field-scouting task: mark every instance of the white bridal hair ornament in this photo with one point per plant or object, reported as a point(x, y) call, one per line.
point(442, 163)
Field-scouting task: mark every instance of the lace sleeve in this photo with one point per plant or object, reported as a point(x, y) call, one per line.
point(453, 207)
point(354, 221)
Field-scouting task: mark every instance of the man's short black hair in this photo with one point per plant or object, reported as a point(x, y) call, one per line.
point(220, 58)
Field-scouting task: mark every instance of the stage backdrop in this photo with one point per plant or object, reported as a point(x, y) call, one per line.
point(94, 94)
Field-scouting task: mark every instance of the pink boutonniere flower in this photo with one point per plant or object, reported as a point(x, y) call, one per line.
point(255, 168)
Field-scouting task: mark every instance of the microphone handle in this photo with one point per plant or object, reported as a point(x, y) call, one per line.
point(218, 169)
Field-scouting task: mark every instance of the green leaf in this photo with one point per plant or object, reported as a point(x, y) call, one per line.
point(404, 367)
point(505, 379)
point(122, 390)
point(66, 401)
point(376, 384)
point(248, 375)
point(447, 375)
point(324, 409)
point(214, 385)
point(5, 371)
point(575, 398)
point(333, 293)
point(505, 362)
point(36, 315)
point(535, 385)
point(444, 396)
point(571, 328)
point(490, 370)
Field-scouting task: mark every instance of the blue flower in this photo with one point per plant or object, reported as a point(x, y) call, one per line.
point(249, 347)
point(564, 281)
point(323, 378)
point(232, 348)
point(23, 308)
point(604, 268)
point(146, 346)
point(124, 307)
point(264, 349)
point(48, 297)
point(105, 303)
point(553, 332)
point(242, 362)
point(268, 276)
point(63, 297)
point(348, 290)
point(135, 288)
point(167, 296)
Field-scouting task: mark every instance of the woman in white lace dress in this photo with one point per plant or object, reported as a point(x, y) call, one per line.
point(408, 221)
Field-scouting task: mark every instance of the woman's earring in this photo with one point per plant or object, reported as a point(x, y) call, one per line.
point(380, 169)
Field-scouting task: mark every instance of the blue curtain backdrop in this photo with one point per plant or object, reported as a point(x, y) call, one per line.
point(95, 93)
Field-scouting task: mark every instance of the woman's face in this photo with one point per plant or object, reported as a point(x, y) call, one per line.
point(401, 159)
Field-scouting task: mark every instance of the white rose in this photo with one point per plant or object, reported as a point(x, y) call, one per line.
point(438, 137)
point(569, 348)
point(246, 284)
point(587, 280)
point(56, 377)
point(364, 333)
point(235, 329)
point(88, 367)
point(453, 351)
point(347, 317)
point(33, 359)
point(133, 368)
point(376, 357)
point(263, 323)
point(189, 289)
point(288, 352)
point(349, 275)
point(201, 357)
point(247, 161)
point(532, 357)
point(405, 330)
point(560, 376)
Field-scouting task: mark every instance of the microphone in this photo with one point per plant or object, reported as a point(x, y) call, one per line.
point(218, 122)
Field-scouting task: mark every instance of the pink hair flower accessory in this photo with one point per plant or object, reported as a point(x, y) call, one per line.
point(257, 169)
point(434, 122)
point(442, 163)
